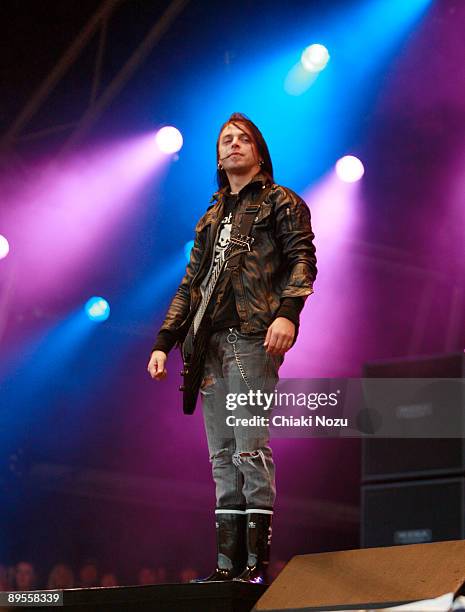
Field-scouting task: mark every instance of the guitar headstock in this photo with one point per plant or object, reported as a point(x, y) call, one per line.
point(237, 244)
point(240, 243)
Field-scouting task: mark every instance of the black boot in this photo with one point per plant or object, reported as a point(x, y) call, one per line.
point(258, 546)
point(231, 546)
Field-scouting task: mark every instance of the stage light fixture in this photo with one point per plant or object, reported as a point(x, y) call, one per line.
point(169, 139)
point(349, 169)
point(97, 309)
point(4, 247)
point(315, 57)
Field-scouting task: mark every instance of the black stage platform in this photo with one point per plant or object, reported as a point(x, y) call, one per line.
point(211, 597)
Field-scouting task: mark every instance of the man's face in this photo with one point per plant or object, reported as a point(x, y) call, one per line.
point(237, 150)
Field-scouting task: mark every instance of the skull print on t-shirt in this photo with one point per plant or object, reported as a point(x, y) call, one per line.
point(222, 238)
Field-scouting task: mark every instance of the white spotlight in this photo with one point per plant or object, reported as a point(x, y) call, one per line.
point(349, 169)
point(315, 57)
point(4, 247)
point(169, 139)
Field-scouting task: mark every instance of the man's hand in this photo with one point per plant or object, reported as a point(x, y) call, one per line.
point(156, 365)
point(280, 336)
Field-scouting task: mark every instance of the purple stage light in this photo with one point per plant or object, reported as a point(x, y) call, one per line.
point(4, 247)
point(169, 139)
point(349, 169)
point(73, 209)
point(337, 218)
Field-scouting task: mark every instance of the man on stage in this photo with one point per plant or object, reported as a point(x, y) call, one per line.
point(253, 318)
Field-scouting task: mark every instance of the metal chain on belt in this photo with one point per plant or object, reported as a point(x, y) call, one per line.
point(232, 339)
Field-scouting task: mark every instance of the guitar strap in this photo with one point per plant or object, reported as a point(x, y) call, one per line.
point(238, 238)
point(245, 228)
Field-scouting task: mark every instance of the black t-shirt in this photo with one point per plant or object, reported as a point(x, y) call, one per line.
point(226, 312)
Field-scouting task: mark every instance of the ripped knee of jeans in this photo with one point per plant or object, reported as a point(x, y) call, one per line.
point(241, 457)
point(223, 454)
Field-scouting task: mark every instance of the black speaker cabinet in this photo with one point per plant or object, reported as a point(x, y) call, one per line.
point(413, 512)
point(386, 459)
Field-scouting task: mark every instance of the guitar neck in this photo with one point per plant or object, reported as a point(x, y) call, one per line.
point(237, 246)
point(208, 293)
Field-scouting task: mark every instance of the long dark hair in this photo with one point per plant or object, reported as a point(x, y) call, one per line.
point(262, 148)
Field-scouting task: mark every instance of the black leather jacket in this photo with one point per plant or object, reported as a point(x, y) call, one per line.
point(281, 264)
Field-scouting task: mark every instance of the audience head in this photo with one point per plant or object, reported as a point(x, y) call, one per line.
point(25, 576)
point(61, 577)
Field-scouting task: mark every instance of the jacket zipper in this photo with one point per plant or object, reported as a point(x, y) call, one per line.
point(288, 218)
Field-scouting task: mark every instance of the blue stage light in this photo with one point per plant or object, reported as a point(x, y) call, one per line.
point(315, 57)
point(97, 309)
point(188, 248)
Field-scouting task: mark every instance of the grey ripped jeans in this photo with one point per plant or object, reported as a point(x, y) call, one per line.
point(242, 461)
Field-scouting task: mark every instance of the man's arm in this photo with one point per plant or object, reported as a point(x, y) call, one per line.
point(295, 236)
point(177, 312)
point(293, 232)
